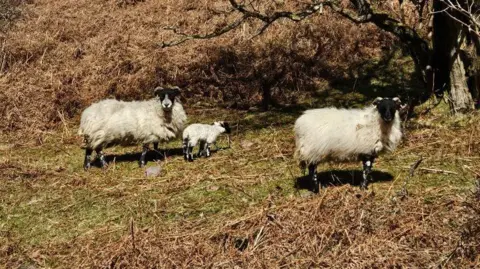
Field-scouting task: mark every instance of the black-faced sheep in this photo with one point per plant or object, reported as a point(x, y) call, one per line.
point(347, 134)
point(112, 122)
point(205, 134)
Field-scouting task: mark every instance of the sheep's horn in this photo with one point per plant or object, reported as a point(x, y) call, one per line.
point(378, 99)
point(157, 90)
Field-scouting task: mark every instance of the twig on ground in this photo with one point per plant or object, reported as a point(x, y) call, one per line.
point(403, 192)
point(434, 170)
point(132, 232)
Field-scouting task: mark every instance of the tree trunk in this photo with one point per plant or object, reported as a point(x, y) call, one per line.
point(460, 98)
point(447, 64)
point(266, 96)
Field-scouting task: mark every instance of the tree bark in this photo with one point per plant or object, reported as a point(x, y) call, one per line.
point(266, 96)
point(460, 98)
point(450, 74)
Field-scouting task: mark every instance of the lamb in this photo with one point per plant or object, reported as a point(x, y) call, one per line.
point(205, 134)
point(111, 122)
point(347, 134)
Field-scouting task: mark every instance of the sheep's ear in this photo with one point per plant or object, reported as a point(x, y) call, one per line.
point(176, 90)
point(157, 91)
point(377, 100)
point(397, 101)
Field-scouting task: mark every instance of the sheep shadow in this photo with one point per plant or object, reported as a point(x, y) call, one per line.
point(135, 156)
point(341, 177)
point(151, 156)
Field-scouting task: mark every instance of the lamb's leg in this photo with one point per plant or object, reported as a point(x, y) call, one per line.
point(185, 149)
point(88, 158)
point(207, 150)
point(201, 148)
point(190, 152)
point(101, 157)
point(312, 172)
point(141, 162)
point(367, 169)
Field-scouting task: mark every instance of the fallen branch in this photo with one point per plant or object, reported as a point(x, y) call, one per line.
point(403, 192)
point(433, 170)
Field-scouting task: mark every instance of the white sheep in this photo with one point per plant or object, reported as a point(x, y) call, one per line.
point(112, 122)
point(205, 134)
point(347, 134)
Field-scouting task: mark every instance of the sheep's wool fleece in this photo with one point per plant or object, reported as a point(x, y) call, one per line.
point(202, 132)
point(343, 134)
point(110, 122)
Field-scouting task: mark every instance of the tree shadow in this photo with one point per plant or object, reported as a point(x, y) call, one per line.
point(341, 177)
point(240, 80)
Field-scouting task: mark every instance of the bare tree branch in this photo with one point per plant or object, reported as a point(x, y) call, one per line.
point(365, 14)
point(218, 32)
point(266, 19)
point(465, 9)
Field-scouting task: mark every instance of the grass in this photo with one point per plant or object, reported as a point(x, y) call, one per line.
point(52, 211)
point(247, 206)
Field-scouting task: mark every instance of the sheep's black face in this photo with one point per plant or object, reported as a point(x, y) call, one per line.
point(387, 107)
point(167, 96)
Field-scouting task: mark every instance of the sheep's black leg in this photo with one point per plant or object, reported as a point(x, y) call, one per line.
point(141, 162)
point(367, 169)
point(312, 172)
point(101, 157)
point(207, 150)
point(88, 158)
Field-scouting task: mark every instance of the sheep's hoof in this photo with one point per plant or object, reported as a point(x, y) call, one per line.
point(363, 187)
point(104, 164)
point(316, 187)
point(87, 166)
point(141, 164)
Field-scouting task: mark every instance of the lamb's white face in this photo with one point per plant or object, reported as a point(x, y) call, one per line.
point(224, 125)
